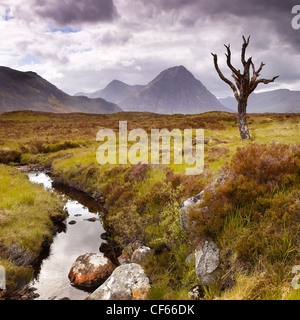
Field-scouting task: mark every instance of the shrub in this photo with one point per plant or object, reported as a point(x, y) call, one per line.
point(255, 173)
point(254, 215)
point(9, 156)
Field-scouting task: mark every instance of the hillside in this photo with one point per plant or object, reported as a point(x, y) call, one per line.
point(28, 91)
point(279, 101)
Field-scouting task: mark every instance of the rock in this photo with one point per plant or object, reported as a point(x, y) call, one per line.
point(141, 254)
point(110, 252)
point(91, 219)
point(184, 209)
point(196, 293)
point(196, 200)
point(136, 244)
point(127, 282)
point(207, 259)
point(90, 270)
point(124, 258)
point(132, 246)
point(105, 248)
point(35, 295)
point(104, 236)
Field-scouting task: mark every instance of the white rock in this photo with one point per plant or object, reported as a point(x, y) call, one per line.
point(207, 258)
point(127, 282)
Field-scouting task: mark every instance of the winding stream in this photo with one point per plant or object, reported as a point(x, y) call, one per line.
point(51, 279)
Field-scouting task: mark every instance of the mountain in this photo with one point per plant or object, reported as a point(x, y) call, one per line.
point(116, 91)
point(278, 101)
point(174, 90)
point(28, 91)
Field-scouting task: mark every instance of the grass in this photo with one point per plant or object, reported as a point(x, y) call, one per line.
point(255, 220)
point(27, 212)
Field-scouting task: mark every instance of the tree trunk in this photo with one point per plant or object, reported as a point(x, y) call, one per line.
point(242, 120)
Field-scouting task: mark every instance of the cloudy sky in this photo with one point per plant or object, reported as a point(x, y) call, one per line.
point(81, 45)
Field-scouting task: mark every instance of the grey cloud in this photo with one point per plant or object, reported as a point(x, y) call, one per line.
point(113, 38)
point(234, 7)
point(277, 12)
point(60, 59)
point(66, 12)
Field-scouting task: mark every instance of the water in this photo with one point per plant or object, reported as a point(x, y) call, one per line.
point(70, 242)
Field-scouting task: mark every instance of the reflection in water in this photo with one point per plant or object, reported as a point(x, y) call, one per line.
point(70, 242)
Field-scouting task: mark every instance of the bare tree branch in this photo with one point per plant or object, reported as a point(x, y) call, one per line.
point(255, 73)
point(264, 81)
point(260, 68)
point(246, 75)
point(231, 67)
point(244, 47)
point(232, 86)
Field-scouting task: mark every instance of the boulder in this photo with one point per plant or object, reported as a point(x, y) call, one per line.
point(207, 260)
point(141, 254)
point(90, 270)
point(127, 282)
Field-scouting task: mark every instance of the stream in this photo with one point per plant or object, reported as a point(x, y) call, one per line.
point(71, 240)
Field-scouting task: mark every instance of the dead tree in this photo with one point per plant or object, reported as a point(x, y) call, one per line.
point(244, 84)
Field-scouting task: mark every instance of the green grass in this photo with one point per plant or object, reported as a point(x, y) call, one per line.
point(26, 214)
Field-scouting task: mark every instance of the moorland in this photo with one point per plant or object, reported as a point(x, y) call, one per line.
point(253, 216)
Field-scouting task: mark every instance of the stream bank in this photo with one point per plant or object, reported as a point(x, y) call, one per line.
point(80, 234)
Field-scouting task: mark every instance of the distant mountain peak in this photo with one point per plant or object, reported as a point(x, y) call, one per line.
point(174, 90)
point(115, 91)
point(174, 72)
point(116, 84)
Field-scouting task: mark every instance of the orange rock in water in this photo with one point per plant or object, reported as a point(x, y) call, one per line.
point(90, 270)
